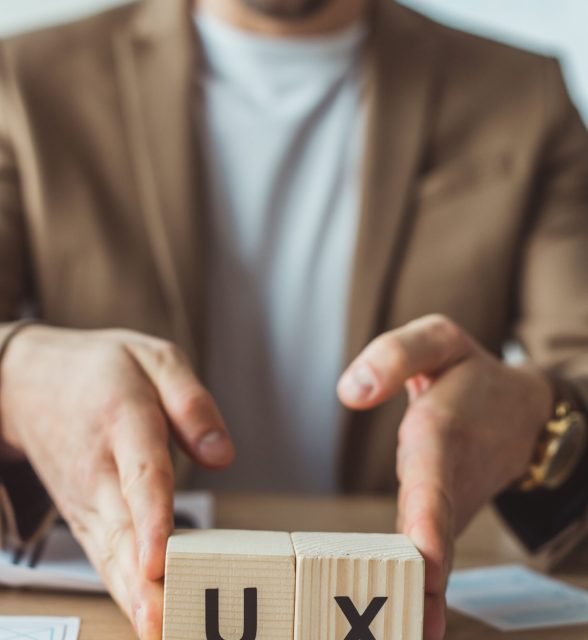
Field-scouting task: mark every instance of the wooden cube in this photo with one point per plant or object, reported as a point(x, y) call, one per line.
point(229, 585)
point(352, 586)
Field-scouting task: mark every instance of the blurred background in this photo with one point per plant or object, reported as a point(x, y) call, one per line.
point(555, 27)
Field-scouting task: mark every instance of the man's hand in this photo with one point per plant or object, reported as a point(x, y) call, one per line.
point(92, 412)
point(468, 433)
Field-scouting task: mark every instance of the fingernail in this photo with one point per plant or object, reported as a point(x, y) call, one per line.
point(213, 445)
point(139, 620)
point(143, 555)
point(359, 383)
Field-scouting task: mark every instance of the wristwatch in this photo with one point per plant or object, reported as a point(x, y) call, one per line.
point(558, 450)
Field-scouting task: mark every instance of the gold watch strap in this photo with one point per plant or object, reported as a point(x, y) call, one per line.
point(558, 450)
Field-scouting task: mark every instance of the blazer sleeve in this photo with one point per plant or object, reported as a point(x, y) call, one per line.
point(24, 504)
point(553, 311)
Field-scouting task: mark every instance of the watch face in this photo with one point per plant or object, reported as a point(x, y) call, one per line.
point(568, 451)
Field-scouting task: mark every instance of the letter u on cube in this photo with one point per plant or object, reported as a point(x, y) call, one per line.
point(268, 585)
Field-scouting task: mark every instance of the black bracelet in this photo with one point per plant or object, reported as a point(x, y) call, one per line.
point(16, 329)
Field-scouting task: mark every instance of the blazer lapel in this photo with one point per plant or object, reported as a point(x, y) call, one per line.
point(400, 74)
point(157, 65)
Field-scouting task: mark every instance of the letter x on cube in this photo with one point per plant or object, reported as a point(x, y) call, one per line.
point(264, 585)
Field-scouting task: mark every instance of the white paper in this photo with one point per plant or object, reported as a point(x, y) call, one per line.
point(38, 628)
point(60, 563)
point(512, 597)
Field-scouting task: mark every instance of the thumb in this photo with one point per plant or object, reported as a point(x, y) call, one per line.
point(194, 416)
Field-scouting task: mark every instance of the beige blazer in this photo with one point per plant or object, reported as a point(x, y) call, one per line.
point(475, 194)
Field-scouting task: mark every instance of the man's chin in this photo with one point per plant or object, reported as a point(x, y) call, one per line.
point(290, 10)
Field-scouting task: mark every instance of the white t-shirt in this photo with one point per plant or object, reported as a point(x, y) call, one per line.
point(284, 128)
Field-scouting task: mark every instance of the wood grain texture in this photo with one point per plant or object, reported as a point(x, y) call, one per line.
point(360, 567)
point(230, 561)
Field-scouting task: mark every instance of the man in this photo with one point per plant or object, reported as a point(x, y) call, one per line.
point(264, 193)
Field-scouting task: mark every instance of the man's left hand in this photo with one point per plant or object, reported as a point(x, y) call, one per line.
point(468, 433)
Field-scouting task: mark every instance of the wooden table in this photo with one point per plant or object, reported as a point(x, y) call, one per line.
point(484, 543)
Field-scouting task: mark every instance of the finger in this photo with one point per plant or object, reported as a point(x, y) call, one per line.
point(426, 506)
point(435, 622)
point(427, 346)
point(195, 419)
point(140, 451)
point(109, 541)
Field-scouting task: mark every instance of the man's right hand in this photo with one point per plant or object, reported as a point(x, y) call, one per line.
point(92, 410)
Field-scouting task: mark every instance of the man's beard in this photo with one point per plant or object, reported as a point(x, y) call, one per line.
point(287, 9)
